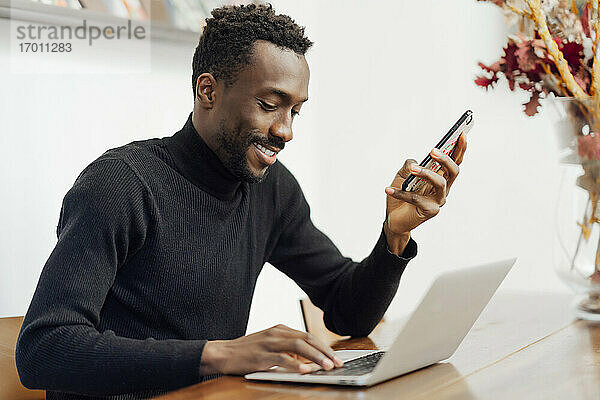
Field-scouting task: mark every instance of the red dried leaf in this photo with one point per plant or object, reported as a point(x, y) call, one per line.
point(511, 83)
point(499, 3)
point(509, 57)
point(525, 57)
point(595, 277)
point(526, 86)
point(533, 103)
point(584, 79)
point(585, 19)
point(558, 41)
point(495, 67)
point(486, 82)
point(573, 53)
point(536, 74)
point(511, 63)
point(588, 146)
point(581, 82)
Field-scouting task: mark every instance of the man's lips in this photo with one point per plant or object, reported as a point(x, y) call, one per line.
point(266, 155)
point(272, 148)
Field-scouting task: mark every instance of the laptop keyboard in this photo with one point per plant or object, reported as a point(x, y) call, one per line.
point(359, 366)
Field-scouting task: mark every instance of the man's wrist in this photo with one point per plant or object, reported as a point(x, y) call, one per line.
point(212, 358)
point(396, 242)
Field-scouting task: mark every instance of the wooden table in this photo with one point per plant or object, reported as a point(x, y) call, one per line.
point(524, 346)
point(10, 385)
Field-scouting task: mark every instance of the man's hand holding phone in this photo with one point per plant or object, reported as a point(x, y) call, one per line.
point(408, 209)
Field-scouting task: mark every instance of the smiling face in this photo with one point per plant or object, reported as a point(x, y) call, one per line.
point(251, 120)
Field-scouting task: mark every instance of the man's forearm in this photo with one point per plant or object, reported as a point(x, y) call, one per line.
point(79, 359)
point(363, 292)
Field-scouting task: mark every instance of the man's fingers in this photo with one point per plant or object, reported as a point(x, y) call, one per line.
point(302, 348)
point(288, 362)
point(450, 167)
point(324, 348)
point(448, 163)
point(460, 149)
point(434, 179)
point(287, 332)
point(405, 171)
point(427, 207)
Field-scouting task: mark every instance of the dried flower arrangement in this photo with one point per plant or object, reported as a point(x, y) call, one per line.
point(537, 60)
point(555, 53)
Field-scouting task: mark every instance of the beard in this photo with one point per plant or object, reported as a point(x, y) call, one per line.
point(233, 146)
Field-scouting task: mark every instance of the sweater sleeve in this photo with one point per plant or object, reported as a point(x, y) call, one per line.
point(104, 220)
point(353, 295)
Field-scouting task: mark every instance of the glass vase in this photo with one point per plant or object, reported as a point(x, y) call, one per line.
point(577, 247)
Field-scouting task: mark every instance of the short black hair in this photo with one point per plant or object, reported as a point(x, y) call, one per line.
point(225, 45)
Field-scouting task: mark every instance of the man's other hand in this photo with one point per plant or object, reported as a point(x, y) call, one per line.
point(407, 210)
point(276, 346)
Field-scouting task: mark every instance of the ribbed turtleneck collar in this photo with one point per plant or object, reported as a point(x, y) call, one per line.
point(198, 163)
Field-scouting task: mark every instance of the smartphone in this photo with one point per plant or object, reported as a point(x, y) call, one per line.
point(446, 145)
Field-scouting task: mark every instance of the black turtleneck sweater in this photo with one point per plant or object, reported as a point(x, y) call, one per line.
point(159, 248)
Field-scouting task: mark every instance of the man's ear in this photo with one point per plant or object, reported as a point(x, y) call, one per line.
point(206, 90)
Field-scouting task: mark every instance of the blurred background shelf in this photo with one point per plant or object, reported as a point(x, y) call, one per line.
point(179, 20)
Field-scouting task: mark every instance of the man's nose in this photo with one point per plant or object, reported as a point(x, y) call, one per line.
point(282, 130)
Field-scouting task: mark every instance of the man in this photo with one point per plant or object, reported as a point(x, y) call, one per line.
point(160, 242)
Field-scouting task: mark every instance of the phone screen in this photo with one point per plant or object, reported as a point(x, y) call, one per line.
point(446, 145)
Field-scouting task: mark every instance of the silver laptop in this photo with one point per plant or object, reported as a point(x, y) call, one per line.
point(430, 334)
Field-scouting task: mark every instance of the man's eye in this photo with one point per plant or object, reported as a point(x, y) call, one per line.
point(267, 106)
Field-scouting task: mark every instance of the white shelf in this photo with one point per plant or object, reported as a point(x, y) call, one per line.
point(28, 11)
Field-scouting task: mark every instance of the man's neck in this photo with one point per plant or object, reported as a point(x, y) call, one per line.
point(200, 164)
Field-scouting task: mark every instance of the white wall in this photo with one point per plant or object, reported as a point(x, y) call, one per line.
point(387, 79)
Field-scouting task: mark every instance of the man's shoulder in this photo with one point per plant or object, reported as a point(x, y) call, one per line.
point(139, 156)
point(135, 151)
point(124, 165)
